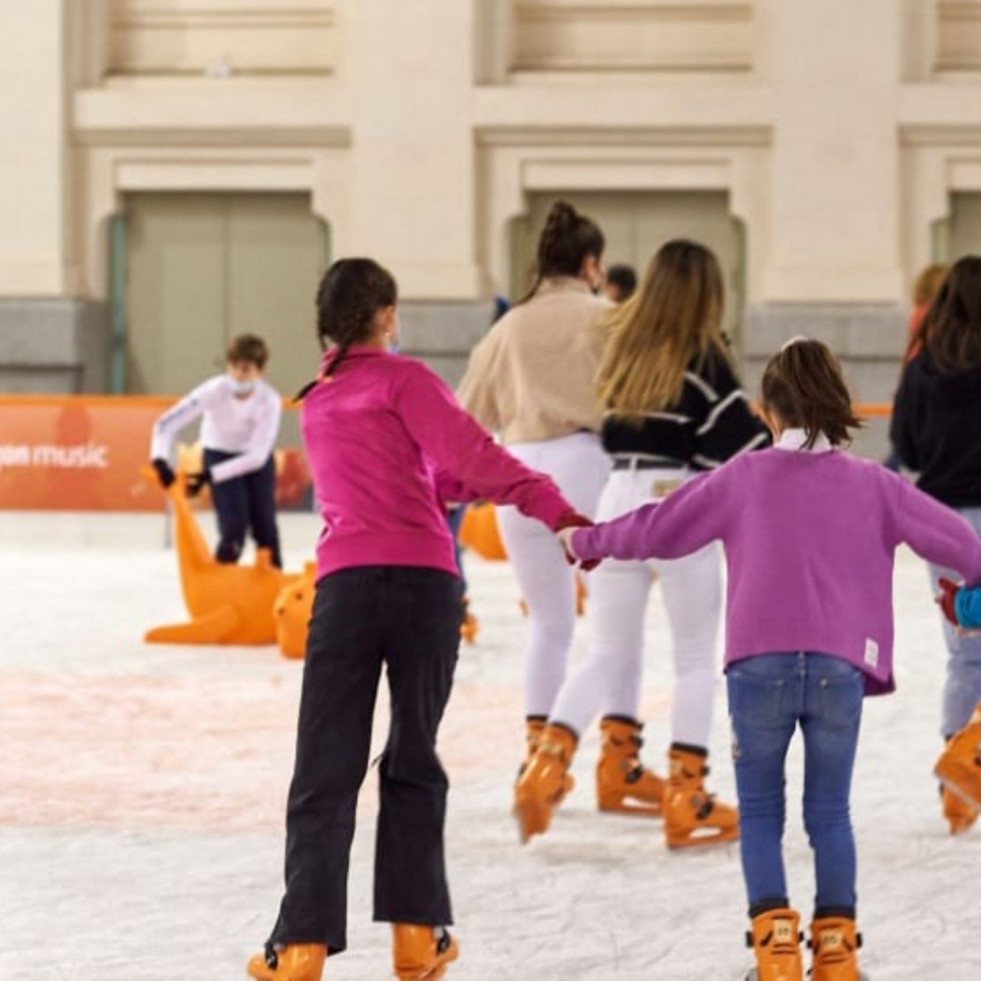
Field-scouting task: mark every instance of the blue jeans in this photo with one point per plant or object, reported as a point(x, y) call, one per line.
point(962, 690)
point(768, 696)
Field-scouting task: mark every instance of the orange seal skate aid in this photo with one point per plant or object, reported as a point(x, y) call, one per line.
point(292, 612)
point(228, 604)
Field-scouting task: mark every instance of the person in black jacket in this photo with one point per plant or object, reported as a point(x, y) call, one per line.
point(936, 430)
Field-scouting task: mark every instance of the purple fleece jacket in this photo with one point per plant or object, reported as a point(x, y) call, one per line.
point(809, 541)
point(387, 444)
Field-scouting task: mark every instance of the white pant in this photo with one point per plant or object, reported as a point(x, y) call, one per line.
point(579, 467)
point(618, 591)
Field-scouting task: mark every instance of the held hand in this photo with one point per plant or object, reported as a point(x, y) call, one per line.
point(946, 600)
point(164, 473)
point(565, 527)
point(565, 540)
point(196, 482)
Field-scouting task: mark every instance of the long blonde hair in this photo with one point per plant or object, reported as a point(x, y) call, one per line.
point(673, 320)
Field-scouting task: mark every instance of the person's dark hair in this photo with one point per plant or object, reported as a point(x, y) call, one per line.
point(350, 294)
point(624, 279)
point(804, 387)
point(950, 331)
point(566, 240)
point(249, 349)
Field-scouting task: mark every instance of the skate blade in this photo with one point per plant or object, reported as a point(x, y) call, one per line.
point(754, 975)
point(704, 840)
point(533, 819)
point(635, 810)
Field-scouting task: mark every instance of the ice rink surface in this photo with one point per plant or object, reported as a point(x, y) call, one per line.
point(142, 793)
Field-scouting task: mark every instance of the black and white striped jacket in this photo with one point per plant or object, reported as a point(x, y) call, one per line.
point(711, 422)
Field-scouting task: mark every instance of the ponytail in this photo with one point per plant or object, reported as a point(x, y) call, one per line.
point(350, 294)
point(567, 239)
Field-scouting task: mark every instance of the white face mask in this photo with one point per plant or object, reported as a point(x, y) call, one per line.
point(241, 387)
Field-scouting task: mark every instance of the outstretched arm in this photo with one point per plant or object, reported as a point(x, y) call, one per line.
point(468, 463)
point(688, 520)
point(939, 534)
point(183, 413)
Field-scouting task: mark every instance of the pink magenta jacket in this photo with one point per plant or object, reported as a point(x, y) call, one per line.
point(387, 445)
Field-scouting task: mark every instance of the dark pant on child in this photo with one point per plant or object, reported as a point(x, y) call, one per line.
point(768, 696)
point(406, 619)
point(244, 503)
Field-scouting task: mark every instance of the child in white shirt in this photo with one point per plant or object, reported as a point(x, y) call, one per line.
point(240, 415)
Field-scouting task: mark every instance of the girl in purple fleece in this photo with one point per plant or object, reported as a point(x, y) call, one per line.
point(809, 534)
point(387, 443)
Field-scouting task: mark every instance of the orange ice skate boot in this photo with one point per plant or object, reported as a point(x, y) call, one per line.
point(623, 784)
point(775, 939)
point(834, 944)
point(534, 728)
point(692, 816)
point(421, 953)
point(295, 962)
point(542, 785)
point(959, 767)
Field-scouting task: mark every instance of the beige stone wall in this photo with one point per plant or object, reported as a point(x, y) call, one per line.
point(839, 131)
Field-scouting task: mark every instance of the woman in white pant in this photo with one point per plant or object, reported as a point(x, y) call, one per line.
point(674, 406)
point(532, 379)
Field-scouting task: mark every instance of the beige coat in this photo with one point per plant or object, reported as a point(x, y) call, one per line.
point(533, 377)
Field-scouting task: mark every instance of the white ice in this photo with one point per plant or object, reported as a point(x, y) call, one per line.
point(142, 792)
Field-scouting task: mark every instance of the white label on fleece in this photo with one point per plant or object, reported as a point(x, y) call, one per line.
point(871, 652)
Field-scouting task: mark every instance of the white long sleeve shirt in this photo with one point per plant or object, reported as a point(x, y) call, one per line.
point(244, 426)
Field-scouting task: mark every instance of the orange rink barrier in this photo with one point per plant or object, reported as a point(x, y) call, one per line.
point(86, 453)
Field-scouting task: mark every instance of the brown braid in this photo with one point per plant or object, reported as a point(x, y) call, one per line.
point(566, 240)
point(350, 294)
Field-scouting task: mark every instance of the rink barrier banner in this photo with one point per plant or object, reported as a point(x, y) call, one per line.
point(88, 453)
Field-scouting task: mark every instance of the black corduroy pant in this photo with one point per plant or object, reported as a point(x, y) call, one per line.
point(407, 620)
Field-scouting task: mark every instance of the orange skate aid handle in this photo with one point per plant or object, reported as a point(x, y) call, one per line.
point(228, 604)
point(294, 607)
